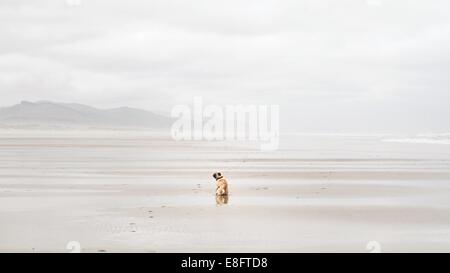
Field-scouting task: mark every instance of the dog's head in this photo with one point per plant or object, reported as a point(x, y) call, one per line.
point(217, 175)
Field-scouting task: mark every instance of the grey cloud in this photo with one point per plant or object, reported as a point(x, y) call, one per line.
point(320, 60)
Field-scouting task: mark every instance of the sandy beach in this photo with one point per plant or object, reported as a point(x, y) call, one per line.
point(118, 191)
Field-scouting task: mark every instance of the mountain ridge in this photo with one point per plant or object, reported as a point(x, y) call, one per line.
point(48, 114)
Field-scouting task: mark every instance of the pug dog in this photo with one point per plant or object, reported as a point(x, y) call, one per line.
point(221, 184)
point(221, 200)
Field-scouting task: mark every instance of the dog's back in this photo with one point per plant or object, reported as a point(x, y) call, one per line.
point(222, 187)
point(221, 184)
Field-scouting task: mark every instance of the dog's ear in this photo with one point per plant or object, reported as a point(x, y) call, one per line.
point(215, 175)
point(219, 174)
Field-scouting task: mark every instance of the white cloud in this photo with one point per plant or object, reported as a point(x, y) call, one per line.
point(321, 60)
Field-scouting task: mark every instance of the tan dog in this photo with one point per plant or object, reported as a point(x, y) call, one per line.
point(221, 184)
point(221, 200)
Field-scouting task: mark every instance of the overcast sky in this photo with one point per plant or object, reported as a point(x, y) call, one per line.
point(332, 66)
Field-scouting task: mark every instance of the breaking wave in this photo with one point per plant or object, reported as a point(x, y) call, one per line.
point(423, 139)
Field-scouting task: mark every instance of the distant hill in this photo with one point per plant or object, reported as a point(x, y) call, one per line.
point(45, 114)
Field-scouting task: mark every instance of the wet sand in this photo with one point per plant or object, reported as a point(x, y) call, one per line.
point(140, 192)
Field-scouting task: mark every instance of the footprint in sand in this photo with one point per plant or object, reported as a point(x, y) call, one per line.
point(134, 227)
point(150, 211)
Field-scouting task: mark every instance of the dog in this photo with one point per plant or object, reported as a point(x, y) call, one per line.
point(221, 184)
point(221, 200)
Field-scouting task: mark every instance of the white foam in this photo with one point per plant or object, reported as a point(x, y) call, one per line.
point(421, 140)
